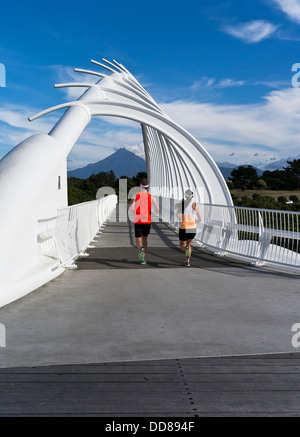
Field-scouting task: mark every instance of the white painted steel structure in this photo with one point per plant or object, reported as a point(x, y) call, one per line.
point(77, 225)
point(40, 235)
point(33, 176)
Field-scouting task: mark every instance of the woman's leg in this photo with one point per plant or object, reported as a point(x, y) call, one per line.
point(189, 245)
point(185, 247)
point(182, 245)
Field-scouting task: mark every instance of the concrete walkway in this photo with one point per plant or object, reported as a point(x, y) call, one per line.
point(114, 310)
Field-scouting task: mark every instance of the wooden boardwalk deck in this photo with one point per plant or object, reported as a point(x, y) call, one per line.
point(246, 386)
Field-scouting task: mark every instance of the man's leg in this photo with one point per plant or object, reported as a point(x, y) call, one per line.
point(145, 243)
point(146, 232)
point(141, 250)
point(139, 242)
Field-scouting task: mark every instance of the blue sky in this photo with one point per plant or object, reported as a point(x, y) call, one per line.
point(221, 69)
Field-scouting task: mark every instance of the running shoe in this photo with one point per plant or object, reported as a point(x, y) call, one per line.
point(141, 254)
point(143, 262)
point(187, 264)
point(187, 252)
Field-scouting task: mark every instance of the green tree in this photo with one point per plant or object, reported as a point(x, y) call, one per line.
point(276, 179)
point(244, 177)
point(294, 198)
point(293, 171)
point(261, 184)
point(282, 199)
point(140, 175)
point(230, 185)
point(84, 190)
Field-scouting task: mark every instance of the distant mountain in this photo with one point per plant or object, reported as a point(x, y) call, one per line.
point(226, 172)
point(122, 163)
point(125, 163)
point(278, 165)
point(226, 164)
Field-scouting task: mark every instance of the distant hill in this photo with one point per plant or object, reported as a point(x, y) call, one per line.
point(122, 163)
point(281, 163)
point(226, 168)
point(125, 163)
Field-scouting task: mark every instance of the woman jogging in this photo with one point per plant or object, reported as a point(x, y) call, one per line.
point(189, 215)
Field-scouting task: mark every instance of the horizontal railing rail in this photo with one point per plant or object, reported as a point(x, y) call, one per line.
point(260, 235)
point(78, 225)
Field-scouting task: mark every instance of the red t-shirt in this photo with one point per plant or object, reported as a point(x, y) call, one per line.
point(142, 208)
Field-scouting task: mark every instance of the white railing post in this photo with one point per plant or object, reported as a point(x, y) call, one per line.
point(258, 235)
point(78, 225)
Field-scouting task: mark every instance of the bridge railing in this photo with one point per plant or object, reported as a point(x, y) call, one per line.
point(260, 235)
point(77, 226)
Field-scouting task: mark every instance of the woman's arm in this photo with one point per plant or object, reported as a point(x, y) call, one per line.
point(199, 218)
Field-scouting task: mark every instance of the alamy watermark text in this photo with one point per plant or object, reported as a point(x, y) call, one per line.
point(296, 336)
point(2, 75)
point(2, 335)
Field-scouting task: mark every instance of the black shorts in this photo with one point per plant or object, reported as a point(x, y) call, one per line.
point(142, 229)
point(187, 234)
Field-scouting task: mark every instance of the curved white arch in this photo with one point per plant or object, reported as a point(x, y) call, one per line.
point(203, 170)
point(30, 194)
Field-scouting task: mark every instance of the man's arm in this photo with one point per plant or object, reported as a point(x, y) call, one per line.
point(132, 204)
point(155, 205)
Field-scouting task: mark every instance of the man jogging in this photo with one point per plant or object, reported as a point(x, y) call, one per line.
point(142, 205)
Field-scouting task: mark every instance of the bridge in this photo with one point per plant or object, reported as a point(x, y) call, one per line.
point(114, 338)
point(75, 300)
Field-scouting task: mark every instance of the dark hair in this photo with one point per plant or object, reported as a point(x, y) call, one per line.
point(144, 182)
point(187, 200)
point(189, 194)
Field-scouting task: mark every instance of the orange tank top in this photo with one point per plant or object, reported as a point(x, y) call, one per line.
point(142, 208)
point(189, 215)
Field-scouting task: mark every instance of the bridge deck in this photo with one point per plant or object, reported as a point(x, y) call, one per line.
point(117, 338)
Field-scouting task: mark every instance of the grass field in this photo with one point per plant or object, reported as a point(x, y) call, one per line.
point(271, 193)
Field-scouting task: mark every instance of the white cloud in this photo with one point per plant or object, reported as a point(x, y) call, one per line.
point(229, 83)
point(291, 8)
point(66, 74)
point(100, 140)
point(137, 149)
point(98, 133)
point(251, 32)
point(274, 83)
point(96, 142)
point(272, 127)
point(17, 116)
point(15, 127)
point(84, 154)
point(205, 82)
